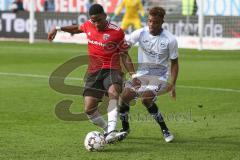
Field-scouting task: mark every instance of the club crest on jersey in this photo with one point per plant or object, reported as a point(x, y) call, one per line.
point(106, 36)
point(163, 44)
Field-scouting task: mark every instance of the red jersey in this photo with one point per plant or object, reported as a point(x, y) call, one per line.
point(103, 46)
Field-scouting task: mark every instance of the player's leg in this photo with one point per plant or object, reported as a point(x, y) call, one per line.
point(125, 24)
point(156, 87)
point(93, 92)
point(113, 83)
point(137, 23)
point(148, 98)
point(130, 93)
point(127, 96)
point(92, 112)
point(113, 94)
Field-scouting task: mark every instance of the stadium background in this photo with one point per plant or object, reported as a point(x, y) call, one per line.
point(220, 29)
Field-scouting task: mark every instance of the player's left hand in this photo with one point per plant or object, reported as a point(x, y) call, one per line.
point(52, 34)
point(173, 92)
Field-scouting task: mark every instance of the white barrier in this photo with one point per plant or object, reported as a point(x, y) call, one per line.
point(183, 42)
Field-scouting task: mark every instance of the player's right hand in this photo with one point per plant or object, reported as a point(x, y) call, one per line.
point(52, 34)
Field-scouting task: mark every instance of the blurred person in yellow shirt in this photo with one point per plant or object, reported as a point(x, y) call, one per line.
point(132, 10)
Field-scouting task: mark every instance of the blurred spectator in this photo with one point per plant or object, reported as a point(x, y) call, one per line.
point(189, 7)
point(90, 2)
point(49, 5)
point(17, 5)
point(131, 17)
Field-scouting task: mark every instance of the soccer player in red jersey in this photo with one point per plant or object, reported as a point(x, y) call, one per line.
point(104, 71)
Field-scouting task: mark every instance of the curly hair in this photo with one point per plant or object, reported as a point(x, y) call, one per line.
point(157, 11)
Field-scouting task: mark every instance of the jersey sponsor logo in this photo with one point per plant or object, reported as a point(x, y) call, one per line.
point(96, 43)
point(106, 36)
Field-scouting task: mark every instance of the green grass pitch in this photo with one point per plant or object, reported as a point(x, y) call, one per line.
point(205, 119)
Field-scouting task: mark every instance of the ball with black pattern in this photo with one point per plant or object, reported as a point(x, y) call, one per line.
point(94, 141)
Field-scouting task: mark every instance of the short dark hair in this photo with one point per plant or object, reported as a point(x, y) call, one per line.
point(96, 9)
point(157, 11)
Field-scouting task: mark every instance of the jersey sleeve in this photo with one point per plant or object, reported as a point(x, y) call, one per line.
point(133, 38)
point(123, 45)
point(121, 35)
point(173, 49)
point(83, 27)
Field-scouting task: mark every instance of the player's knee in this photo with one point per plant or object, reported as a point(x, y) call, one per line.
point(147, 102)
point(148, 98)
point(114, 91)
point(90, 106)
point(127, 95)
point(113, 94)
point(90, 111)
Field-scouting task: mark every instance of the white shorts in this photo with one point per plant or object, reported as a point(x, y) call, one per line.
point(150, 83)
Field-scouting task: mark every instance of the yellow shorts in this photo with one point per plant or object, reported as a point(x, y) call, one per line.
point(126, 22)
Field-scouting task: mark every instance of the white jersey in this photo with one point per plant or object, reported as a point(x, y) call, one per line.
point(154, 52)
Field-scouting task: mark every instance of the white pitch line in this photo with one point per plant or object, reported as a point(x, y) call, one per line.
point(23, 75)
point(34, 76)
point(210, 88)
point(75, 78)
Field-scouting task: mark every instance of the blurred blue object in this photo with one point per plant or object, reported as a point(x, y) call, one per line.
point(113, 17)
point(143, 18)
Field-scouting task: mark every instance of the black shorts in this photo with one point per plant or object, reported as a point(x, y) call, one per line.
point(97, 84)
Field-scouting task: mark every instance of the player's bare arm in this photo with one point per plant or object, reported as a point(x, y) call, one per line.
point(127, 62)
point(73, 29)
point(174, 75)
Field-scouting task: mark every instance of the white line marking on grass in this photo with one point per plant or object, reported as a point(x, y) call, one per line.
point(23, 75)
point(75, 78)
point(35, 76)
point(210, 88)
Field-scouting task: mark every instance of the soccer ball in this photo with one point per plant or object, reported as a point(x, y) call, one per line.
point(94, 141)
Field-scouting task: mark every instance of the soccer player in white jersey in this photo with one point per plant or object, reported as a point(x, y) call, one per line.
point(157, 69)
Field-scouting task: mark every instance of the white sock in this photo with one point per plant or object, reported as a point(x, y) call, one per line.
point(98, 120)
point(112, 114)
